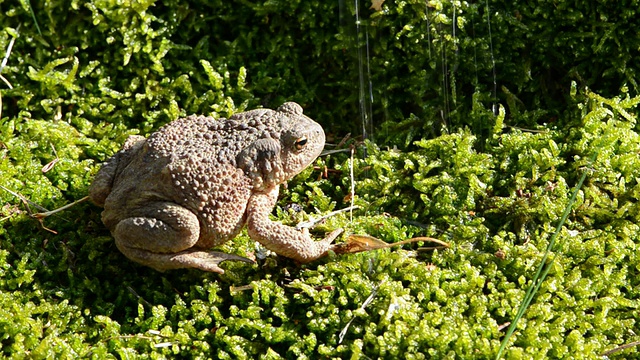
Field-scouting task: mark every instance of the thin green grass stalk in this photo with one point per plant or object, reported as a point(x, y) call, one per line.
point(33, 15)
point(544, 267)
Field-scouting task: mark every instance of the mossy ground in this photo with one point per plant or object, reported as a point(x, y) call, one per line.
point(93, 73)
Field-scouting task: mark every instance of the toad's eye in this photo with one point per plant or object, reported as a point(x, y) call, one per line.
point(300, 143)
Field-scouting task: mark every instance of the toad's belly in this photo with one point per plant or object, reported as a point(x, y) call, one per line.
point(222, 224)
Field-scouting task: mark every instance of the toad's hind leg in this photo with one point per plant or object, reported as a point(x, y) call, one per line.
point(164, 238)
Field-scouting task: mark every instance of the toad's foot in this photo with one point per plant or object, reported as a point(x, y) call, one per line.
point(332, 236)
point(198, 259)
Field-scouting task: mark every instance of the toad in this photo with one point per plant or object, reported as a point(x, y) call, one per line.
point(196, 182)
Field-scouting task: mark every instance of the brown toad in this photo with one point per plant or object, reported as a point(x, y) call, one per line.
point(196, 182)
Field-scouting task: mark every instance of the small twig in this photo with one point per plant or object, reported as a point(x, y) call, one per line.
point(329, 152)
point(344, 140)
point(42, 215)
point(366, 303)
point(313, 221)
point(620, 348)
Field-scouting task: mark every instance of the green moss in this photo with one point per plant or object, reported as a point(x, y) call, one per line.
point(493, 186)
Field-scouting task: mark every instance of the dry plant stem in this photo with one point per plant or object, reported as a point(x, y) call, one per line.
point(620, 348)
point(343, 141)
point(313, 222)
point(44, 212)
point(362, 307)
point(359, 243)
point(424, 238)
point(26, 201)
point(379, 244)
point(6, 82)
point(235, 289)
point(329, 152)
point(8, 52)
point(4, 63)
point(42, 215)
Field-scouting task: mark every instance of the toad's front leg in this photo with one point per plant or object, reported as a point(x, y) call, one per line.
point(281, 239)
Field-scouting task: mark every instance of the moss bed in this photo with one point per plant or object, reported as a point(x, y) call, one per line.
point(480, 120)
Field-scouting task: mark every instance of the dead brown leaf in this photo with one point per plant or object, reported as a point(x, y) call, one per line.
point(360, 243)
point(376, 5)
